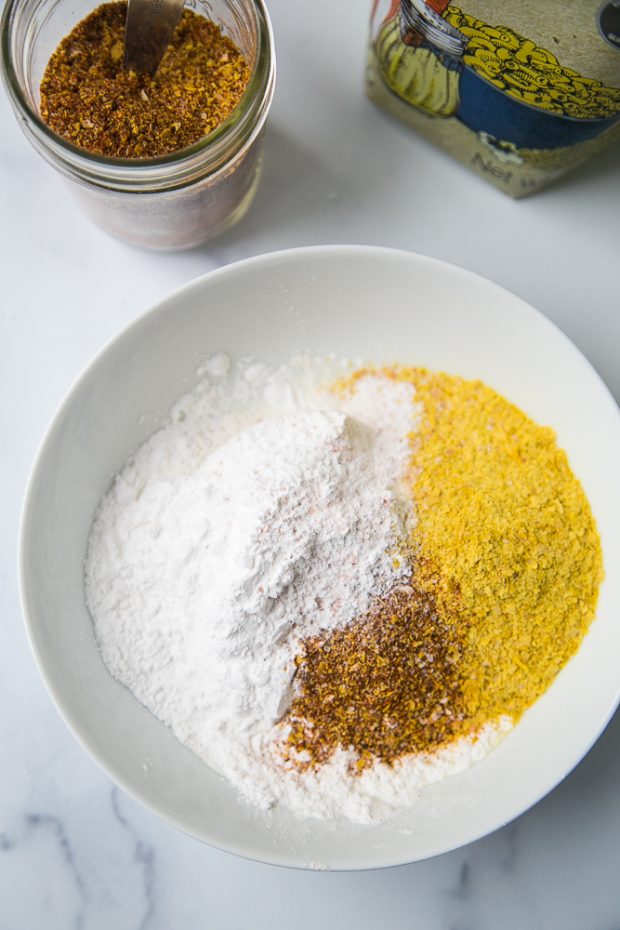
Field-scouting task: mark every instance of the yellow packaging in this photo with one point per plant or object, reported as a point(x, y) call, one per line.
point(521, 91)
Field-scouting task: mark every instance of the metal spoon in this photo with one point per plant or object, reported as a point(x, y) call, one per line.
point(148, 30)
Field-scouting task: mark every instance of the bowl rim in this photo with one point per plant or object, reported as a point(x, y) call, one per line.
point(266, 258)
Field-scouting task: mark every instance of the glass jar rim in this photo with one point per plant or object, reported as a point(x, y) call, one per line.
point(179, 167)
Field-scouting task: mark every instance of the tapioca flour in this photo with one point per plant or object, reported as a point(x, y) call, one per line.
point(264, 510)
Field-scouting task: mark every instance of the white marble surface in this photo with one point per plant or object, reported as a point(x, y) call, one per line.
point(74, 851)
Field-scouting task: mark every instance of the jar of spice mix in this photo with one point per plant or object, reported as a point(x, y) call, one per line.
point(175, 201)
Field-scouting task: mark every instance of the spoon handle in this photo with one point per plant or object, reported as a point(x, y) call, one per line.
point(148, 30)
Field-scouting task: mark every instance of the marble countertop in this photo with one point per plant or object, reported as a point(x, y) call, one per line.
point(75, 852)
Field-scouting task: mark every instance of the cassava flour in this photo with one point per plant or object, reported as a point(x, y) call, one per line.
point(263, 511)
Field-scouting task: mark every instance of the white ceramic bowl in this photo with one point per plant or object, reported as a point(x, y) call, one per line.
point(384, 306)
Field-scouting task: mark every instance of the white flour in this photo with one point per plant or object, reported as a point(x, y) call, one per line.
point(263, 511)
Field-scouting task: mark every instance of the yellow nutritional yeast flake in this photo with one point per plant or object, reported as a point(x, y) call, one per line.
point(507, 565)
point(510, 533)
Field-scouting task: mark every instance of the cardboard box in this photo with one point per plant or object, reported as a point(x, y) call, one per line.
point(521, 91)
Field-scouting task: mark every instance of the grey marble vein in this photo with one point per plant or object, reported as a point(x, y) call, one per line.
point(463, 886)
point(6, 843)
point(507, 858)
point(144, 856)
point(54, 825)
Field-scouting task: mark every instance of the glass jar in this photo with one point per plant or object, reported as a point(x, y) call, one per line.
point(175, 201)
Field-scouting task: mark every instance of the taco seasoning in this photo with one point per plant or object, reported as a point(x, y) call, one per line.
point(165, 161)
point(89, 98)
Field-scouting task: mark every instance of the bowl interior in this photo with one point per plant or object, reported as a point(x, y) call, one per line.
point(378, 305)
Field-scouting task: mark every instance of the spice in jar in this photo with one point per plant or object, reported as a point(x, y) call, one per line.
point(88, 98)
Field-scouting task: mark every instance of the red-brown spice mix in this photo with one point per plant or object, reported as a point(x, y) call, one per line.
point(385, 686)
point(88, 98)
